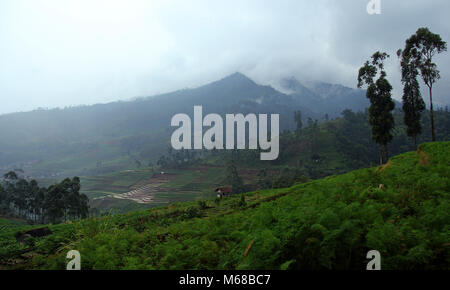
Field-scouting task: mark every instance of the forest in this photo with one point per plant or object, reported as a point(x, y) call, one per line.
point(58, 203)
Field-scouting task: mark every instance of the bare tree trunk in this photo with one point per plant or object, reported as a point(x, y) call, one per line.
point(386, 152)
point(381, 155)
point(433, 136)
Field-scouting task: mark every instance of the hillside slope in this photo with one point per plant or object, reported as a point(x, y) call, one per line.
point(400, 209)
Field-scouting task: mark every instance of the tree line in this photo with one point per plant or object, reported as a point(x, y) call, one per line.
point(416, 59)
point(337, 146)
point(178, 159)
point(57, 203)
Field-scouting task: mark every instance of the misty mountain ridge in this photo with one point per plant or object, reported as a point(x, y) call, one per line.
point(109, 131)
point(238, 89)
point(324, 98)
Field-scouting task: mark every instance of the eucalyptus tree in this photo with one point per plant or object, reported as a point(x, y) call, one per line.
point(298, 120)
point(413, 104)
point(381, 105)
point(420, 48)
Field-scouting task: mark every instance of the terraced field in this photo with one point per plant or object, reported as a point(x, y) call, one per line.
point(132, 189)
point(144, 191)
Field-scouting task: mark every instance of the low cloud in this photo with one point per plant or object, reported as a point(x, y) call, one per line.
point(61, 53)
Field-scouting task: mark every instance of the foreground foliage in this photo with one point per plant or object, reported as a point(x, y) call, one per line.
point(400, 209)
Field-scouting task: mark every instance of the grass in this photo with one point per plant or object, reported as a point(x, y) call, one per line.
point(202, 181)
point(8, 222)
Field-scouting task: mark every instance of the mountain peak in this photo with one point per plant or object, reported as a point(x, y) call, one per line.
point(237, 76)
point(292, 85)
point(236, 79)
point(325, 90)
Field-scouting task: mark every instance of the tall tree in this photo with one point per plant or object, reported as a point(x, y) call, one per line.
point(381, 104)
point(3, 200)
point(421, 47)
point(413, 104)
point(237, 185)
point(298, 120)
point(11, 175)
point(39, 205)
point(54, 206)
point(21, 193)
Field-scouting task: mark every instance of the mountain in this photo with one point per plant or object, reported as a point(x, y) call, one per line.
point(233, 94)
point(324, 98)
point(338, 98)
point(106, 137)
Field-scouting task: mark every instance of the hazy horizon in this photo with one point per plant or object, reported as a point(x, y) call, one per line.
point(70, 53)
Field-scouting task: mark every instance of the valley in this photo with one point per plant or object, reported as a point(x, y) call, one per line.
point(208, 135)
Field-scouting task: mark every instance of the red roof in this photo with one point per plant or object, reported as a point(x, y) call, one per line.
point(224, 189)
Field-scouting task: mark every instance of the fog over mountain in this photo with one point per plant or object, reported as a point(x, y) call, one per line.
point(61, 53)
point(324, 98)
point(73, 140)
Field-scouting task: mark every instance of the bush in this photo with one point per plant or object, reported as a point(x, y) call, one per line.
point(192, 212)
point(202, 204)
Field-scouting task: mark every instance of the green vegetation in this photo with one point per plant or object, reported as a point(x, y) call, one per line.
point(61, 201)
point(314, 151)
point(10, 222)
point(400, 209)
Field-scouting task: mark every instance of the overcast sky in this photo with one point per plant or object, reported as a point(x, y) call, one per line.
point(56, 53)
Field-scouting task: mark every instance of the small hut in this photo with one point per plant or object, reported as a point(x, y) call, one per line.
point(223, 192)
